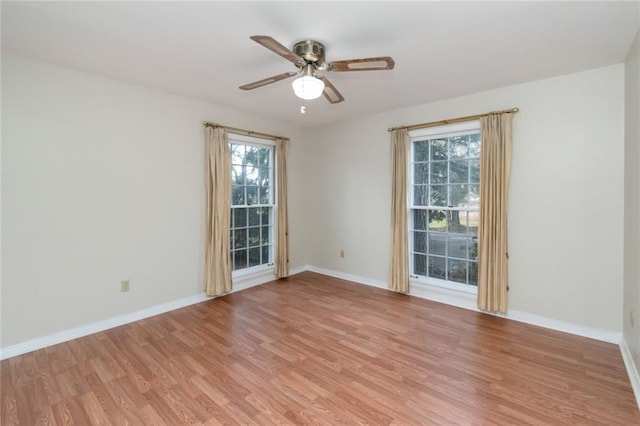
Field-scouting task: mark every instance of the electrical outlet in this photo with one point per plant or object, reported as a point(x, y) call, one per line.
point(341, 253)
point(124, 285)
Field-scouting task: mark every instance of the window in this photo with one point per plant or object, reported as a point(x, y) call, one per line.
point(444, 203)
point(252, 203)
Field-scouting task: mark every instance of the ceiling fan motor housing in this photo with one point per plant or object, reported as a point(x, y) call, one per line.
point(310, 51)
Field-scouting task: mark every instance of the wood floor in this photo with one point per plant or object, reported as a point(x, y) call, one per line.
point(316, 350)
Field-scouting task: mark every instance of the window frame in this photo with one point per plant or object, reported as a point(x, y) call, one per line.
point(239, 139)
point(448, 130)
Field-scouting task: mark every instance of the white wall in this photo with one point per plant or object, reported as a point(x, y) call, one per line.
point(632, 203)
point(103, 181)
point(566, 198)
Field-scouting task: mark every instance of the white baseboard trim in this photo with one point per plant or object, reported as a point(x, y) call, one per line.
point(437, 294)
point(348, 277)
point(468, 301)
point(566, 327)
point(95, 327)
point(632, 370)
point(239, 284)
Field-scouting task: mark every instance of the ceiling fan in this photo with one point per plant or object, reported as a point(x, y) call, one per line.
point(309, 56)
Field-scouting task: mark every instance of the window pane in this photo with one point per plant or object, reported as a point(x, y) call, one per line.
point(239, 259)
point(420, 220)
point(254, 256)
point(453, 220)
point(437, 220)
point(437, 267)
point(474, 145)
point(459, 171)
point(252, 195)
point(239, 238)
point(420, 242)
point(438, 149)
point(474, 219)
point(474, 167)
point(437, 243)
point(420, 264)
point(237, 196)
point(463, 221)
point(474, 196)
point(438, 195)
point(439, 172)
point(254, 216)
point(265, 213)
point(457, 271)
point(251, 155)
point(239, 217)
point(254, 237)
point(473, 273)
point(420, 195)
point(458, 195)
point(237, 175)
point(264, 174)
point(265, 196)
point(420, 173)
point(473, 248)
point(265, 157)
point(457, 246)
point(237, 154)
point(251, 175)
point(266, 237)
point(458, 147)
point(421, 151)
point(265, 254)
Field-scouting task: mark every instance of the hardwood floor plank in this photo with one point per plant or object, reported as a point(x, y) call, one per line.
point(315, 350)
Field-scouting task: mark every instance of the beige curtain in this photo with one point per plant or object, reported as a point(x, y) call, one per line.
point(399, 268)
point(282, 221)
point(495, 168)
point(217, 274)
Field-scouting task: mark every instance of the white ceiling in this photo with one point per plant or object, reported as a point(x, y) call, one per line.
point(202, 50)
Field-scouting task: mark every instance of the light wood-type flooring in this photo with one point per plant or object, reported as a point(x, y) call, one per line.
point(317, 350)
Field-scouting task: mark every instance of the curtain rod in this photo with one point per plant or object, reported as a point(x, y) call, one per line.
point(242, 131)
point(452, 120)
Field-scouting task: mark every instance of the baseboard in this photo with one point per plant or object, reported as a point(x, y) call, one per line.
point(348, 277)
point(632, 370)
point(468, 301)
point(436, 294)
point(566, 327)
point(95, 327)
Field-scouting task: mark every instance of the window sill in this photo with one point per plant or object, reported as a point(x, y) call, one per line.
point(250, 277)
point(434, 282)
point(460, 295)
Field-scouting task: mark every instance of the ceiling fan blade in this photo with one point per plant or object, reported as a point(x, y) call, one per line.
point(271, 44)
point(366, 64)
point(268, 80)
point(330, 92)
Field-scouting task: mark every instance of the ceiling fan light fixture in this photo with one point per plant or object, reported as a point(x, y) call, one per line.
point(308, 87)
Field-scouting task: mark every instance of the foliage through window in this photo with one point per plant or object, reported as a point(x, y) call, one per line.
point(444, 206)
point(252, 202)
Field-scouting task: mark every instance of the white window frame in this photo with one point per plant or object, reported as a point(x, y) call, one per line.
point(449, 130)
point(234, 138)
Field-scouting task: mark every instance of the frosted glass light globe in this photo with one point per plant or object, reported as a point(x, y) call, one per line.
point(308, 87)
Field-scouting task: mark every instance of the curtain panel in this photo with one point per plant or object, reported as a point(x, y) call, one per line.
point(282, 220)
point(217, 274)
point(495, 170)
point(399, 268)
